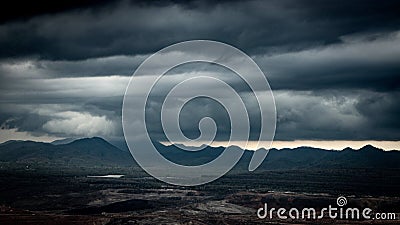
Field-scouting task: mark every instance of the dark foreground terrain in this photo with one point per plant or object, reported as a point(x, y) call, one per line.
point(40, 195)
point(56, 183)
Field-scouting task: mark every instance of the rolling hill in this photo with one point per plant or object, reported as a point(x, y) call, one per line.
point(83, 152)
point(96, 151)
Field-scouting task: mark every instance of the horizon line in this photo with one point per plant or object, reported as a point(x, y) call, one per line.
point(337, 145)
point(254, 145)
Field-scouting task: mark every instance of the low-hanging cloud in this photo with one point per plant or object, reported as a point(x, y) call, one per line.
point(80, 124)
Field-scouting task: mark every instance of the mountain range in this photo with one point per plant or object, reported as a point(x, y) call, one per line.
point(97, 152)
point(82, 152)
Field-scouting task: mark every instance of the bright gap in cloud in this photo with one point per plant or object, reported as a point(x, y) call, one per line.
point(14, 134)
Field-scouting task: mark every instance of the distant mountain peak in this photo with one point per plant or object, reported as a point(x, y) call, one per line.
point(348, 149)
point(63, 141)
point(10, 141)
point(93, 142)
point(90, 139)
point(370, 148)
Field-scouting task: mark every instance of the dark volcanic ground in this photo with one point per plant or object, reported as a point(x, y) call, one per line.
point(68, 196)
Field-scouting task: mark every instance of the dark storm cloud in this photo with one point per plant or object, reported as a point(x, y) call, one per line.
point(62, 120)
point(364, 61)
point(337, 115)
point(19, 10)
point(383, 111)
point(80, 106)
point(133, 28)
point(92, 105)
point(333, 67)
point(113, 65)
point(360, 61)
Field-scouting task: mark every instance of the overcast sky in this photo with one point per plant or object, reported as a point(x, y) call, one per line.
point(333, 66)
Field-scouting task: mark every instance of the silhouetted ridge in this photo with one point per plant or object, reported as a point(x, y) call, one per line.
point(94, 142)
point(370, 148)
point(98, 152)
point(83, 152)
